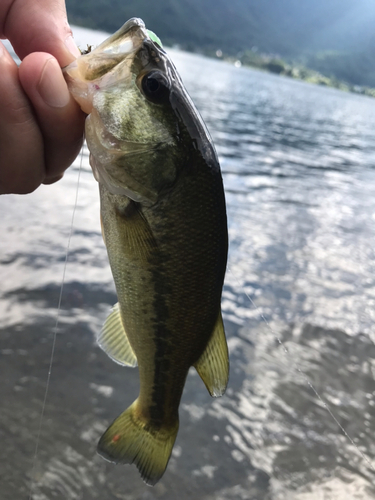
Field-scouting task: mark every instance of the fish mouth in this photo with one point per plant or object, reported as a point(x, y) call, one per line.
point(108, 64)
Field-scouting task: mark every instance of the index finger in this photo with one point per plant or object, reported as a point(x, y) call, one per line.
point(38, 26)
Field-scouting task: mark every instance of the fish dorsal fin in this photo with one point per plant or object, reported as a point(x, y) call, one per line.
point(114, 341)
point(213, 365)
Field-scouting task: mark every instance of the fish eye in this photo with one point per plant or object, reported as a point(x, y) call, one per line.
point(155, 87)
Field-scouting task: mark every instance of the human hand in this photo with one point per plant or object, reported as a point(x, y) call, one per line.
point(41, 126)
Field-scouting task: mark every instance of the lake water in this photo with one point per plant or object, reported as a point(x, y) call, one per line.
point(299, 306)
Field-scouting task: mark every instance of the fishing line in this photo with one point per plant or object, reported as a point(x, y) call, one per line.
point(306, 379)
point(55, 334)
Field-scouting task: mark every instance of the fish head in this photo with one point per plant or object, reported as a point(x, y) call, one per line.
point(142, 127)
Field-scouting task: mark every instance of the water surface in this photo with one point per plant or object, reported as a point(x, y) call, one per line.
point(298, 303)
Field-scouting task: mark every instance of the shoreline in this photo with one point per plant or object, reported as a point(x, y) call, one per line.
point(277, 66)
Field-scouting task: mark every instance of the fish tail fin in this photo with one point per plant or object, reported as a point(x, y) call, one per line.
point(132, 439)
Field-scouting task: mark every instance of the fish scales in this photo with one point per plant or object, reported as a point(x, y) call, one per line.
point(164, 225)
point(187, 254)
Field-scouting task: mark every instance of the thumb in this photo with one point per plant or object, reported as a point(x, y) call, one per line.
point(38, 26)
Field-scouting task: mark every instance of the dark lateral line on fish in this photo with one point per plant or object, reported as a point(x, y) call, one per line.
point(162, 339)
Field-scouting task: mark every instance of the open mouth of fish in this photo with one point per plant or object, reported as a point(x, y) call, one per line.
point(106, 65)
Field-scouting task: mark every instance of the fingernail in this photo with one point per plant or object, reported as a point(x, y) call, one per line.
point(52, 87)
point(72, 47)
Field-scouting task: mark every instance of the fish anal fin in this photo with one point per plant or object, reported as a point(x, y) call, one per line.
point(114, 341)
point(213, 365)
point(131, 439)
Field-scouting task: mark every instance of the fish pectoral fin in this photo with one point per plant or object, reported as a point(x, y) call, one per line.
point(138, 242)
point(213, 365)
point(114, 341)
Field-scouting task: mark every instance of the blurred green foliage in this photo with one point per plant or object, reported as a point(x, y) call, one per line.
point(354, 68)
point(300, 71)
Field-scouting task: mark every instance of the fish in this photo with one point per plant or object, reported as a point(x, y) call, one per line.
point(164, 224)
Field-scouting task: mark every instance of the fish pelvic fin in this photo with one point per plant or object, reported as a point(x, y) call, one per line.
point(132, 439)
point(213, 365)
point(114, 341)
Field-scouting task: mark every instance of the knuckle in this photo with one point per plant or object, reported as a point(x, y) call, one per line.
point(17, 113)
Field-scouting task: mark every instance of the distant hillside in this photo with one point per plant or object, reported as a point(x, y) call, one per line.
point(335, 37)
point(191, 23)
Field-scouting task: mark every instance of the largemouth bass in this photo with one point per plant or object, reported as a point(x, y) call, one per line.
point(164, 225)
